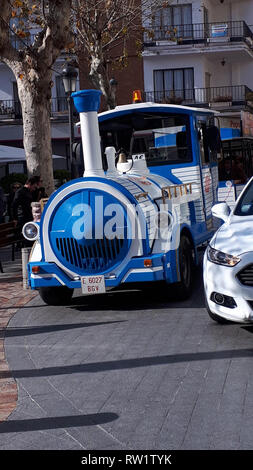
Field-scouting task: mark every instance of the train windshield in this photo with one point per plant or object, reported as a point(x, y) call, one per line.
point(162, 138)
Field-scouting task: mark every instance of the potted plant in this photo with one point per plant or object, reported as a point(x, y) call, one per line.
point(173, 99)
point(249, 96)
point(221, 101)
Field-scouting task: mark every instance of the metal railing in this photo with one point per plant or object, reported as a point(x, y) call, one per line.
point(12, 108)
point(234, 95)
point(198, 32)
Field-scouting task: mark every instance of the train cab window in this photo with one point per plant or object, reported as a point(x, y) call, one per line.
point(162, 138)
point(168, 143)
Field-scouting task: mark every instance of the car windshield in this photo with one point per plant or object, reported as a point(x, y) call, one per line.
point(245, 204)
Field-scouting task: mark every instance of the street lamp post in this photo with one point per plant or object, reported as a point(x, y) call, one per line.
point(69, 77)
point(113, 85)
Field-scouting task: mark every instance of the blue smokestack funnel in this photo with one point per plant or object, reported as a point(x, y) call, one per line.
point(87, 103)
point(87, 100)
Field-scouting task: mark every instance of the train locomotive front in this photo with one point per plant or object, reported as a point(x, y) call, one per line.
point(103, 230)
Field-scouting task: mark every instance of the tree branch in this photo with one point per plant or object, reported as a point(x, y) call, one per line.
point(7, 51)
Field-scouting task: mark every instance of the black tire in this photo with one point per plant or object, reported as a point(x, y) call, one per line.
point(183, 289)
point(56, 295)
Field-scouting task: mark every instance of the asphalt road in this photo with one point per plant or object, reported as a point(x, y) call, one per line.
point(129, 370)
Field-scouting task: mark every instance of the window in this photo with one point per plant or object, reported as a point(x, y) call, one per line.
point(168, 144)
point(174, 86)
point(16, 102)
point(175, 21)
point(61, 101)
point(245, 204)
point(160, 138)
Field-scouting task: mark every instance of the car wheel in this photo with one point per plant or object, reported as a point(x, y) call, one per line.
point(183, 289)
point(56, 295)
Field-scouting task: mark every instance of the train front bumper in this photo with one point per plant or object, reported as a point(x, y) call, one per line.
point(137, 270)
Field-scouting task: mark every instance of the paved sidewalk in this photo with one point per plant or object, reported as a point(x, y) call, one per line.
point(12, 297)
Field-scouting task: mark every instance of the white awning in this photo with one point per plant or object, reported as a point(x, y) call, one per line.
point(15, 154)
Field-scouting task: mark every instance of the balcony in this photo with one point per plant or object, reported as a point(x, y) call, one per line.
point(199, 33)
point(218, 98)
point(11, 109)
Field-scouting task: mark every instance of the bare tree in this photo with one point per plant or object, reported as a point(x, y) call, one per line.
point(31, 64)
point(103, 29)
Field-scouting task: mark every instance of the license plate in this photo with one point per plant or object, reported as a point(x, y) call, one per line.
point(93, 285)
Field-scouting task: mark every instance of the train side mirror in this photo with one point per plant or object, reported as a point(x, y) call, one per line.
point(221, 211)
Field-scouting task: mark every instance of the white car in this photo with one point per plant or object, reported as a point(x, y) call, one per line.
point(228, 262)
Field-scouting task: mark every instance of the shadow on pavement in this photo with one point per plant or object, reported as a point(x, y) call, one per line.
point(132, 363)
point(36, 330)
point(248, 328)
point(39, 424)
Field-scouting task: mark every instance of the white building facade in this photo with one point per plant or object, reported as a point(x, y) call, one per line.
point(200, 53)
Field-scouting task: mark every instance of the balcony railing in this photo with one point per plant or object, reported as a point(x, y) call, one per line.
point(238, 95)
point(12, 108)
point(198, 33)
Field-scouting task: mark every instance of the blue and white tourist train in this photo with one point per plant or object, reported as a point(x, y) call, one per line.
point(141, 209)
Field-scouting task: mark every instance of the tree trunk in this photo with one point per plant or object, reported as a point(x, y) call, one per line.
point(36, 110)
point(32, 67)
point(99, 78)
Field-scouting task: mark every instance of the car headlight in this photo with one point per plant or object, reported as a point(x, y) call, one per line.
point(218, 257)
point(31, 231)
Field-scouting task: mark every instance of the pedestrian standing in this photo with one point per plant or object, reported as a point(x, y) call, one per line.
point(22, 210)
point(39, 193)
point(13, 188)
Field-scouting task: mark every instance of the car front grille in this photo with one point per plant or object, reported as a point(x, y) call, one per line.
point(94, 257)
point(245, 276)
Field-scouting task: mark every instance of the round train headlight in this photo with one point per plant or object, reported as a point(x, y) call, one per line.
point(31, 231)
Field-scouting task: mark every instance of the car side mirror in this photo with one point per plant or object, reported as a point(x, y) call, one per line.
point(221, 211)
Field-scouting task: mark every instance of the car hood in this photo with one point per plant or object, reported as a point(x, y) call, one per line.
point(235, 237)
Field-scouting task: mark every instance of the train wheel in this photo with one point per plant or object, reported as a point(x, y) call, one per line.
point(56, 295)
point(183, 288)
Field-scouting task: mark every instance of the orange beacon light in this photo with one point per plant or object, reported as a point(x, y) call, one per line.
point(137, 96)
